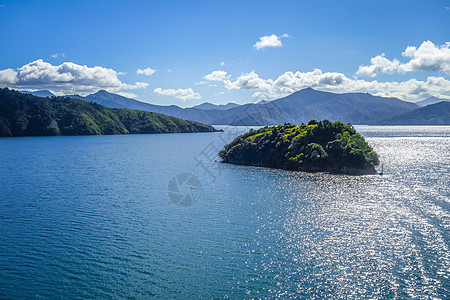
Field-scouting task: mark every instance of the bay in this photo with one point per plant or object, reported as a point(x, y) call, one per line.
point(98, 217)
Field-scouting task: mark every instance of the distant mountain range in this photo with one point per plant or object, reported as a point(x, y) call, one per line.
point(309, 104)
point(43, 93)
point(433, 114)
point(301, 106)
point(209, 106)
point(431, 100)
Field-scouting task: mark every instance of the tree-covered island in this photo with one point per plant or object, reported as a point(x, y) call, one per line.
point(314, 147)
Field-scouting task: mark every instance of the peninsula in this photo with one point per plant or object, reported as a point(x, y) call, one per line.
point(28, 115)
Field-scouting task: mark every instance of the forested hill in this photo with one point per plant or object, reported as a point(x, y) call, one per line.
point(28, 115)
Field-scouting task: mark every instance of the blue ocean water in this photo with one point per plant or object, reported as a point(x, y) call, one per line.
point(136, 216)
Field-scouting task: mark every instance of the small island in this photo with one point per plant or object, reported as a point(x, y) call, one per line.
point(314, 147)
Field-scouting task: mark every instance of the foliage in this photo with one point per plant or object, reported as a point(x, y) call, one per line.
point(28, 115)
point(316, 146)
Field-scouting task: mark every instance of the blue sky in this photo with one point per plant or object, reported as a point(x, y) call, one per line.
point(201, 51)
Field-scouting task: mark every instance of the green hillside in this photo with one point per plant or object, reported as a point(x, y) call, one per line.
point(28, 115)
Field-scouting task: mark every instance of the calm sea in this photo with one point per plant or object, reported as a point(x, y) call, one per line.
point(155, 215)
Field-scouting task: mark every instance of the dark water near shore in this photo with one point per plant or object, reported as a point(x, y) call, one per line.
point(90, 217)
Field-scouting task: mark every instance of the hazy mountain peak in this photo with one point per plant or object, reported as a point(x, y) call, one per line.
point(309, 90)
point(211, 106)
point(263, 102)
point(102, 93)
point(431, 100)
point(41, 93)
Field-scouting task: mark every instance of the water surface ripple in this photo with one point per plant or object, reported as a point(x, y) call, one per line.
point(89, 217)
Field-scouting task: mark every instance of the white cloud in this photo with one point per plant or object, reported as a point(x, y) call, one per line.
point(222, 64)
point(379, 64)
point(182, 94)
point(217, 76)
point(428, 57)
point(127, 94)
point(269, 41)
point(66, 78)
point(169, 70)
point(8, 76)
point(147, 72)
point(290, 82)
point(206, 82)
point(412, 89)
point(337, 82)
point(56, 55)
point(261, 96)
point(248, 81)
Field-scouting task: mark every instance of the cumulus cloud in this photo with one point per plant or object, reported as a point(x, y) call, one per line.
point(127, 94)
point(182, 94)
point(66, 78)
point(217, 76)
point(8, 77)
point(412, 89)
point(248, 81)
point(379, 64)
point(261, 96)
point(269, 41)
point(147, 72)
point(428, 57)
point(290, 82)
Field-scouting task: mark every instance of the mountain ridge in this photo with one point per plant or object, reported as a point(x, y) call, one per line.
point(430, 100)
point(41, 93)
point(209, 106)
point(28, 115)
point(432, 114)
point(298, 107)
